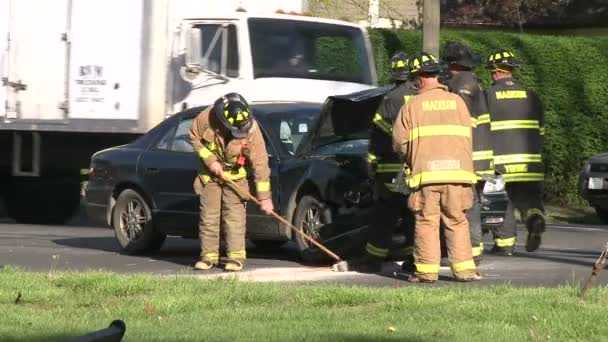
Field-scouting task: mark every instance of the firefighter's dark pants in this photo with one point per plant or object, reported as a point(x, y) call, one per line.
point(390, 210)
point(527, 197)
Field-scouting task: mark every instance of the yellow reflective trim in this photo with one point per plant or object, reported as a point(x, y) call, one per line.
point(438, 105)
point(497, 56)
point(473, 122)
point(246, 114)
point(514, 124)
point(481, 246)
point(542, 130)
point(517, 158)
point(463, 266)
point(371, 157)
point(85, 172)
point(231, 120)
point(242, 254)
point(477, 251)
point(427, 268)
point(508, 242)
point(535, 211)
point(204, 153)
point(409, 250)
point(483, 119)
point(262, 186)
point(516, 168)
point(425, 59)
point(441, 176)
point(406, 98)
point(382, 124)
point(400, 64)
point(214, 257)
point(375, 251)
point(239, 117)
point(391, 187)
point(226, 113)
point(483, 155)
point(389, 167)
point(523, 177)
point(511, 94)
point(427, 131)
point(240, 174)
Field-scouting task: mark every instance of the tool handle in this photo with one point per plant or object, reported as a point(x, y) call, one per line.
point(247, 195)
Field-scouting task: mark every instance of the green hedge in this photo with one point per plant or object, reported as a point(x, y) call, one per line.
point(569, 73)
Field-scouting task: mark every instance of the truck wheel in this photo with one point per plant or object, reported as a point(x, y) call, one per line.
point(133, 226)
point(311, 215)
point(42, 202)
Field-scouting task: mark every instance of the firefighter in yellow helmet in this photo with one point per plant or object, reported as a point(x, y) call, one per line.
point(227, 137)
point(384, 166)
point(518, 127)
point(433, 134)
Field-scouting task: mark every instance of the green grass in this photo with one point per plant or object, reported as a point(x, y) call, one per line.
point(185, 309)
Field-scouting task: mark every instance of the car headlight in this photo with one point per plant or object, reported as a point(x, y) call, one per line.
point(498, 186)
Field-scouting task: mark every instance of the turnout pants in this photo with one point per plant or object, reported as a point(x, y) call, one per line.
point(222, 210)
point(448, 203)
point(389, 211)
point(474, 218)
point(527, 198)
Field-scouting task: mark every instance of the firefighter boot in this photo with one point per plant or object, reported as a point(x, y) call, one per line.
point(366, 264)
point(205, 264)
point(408, 265)
point(503, 251)
point(234, 265)
point(536, 226)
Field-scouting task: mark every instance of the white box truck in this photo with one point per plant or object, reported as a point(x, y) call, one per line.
point(82, 75)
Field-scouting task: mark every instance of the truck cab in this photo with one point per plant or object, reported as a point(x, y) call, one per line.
point(268, 57)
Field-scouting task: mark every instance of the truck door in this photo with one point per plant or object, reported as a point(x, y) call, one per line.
point(35, 72)
point(212, 63)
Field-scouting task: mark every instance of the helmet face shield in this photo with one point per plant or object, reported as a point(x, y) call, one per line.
point(234, 114)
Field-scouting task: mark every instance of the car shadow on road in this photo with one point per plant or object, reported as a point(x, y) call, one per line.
point(588, 256)
point(180, 251)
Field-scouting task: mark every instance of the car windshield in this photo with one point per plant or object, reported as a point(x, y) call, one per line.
point(290, 128)
point(310, 50)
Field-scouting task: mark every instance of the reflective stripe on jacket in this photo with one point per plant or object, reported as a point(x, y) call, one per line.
point(433, 133)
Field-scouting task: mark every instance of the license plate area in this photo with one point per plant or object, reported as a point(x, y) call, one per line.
point(596, 183)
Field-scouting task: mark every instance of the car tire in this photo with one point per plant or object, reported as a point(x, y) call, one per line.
point(133, 225)
point(268, 245)
point(311, 215)
point(602, 214)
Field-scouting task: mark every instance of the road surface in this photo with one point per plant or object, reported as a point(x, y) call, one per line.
point(566, 257)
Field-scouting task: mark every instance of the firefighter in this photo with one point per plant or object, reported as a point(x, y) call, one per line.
point(433, 134)
point(517, 127)
point(384, 165)
point(464, 82)
point(227, 137)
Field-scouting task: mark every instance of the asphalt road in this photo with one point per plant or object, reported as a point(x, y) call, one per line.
point(566, 257)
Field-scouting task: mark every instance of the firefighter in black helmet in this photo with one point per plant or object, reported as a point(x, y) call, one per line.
point(462, 81)
point(518, 127)
point(389, 208)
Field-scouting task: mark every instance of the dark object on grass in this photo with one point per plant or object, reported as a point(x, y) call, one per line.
point(113, 333)
point(18, 299)
point(597, 268)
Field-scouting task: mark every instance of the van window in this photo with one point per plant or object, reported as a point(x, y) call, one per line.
point(213, 37)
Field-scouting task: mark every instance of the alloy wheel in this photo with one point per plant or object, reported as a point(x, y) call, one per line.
point(132, 220)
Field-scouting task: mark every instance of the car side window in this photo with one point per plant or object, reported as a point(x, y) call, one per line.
point(181, 142)
point(165, 142)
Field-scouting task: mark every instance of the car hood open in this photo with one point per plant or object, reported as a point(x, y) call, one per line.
point(344, 117)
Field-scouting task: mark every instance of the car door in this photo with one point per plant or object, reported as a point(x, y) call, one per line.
point(169, 168)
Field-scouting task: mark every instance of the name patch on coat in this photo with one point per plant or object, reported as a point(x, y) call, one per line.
point(511, 94)
point(437, 105)
point(440, 165)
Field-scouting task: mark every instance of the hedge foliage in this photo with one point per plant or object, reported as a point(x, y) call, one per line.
point(569, 73)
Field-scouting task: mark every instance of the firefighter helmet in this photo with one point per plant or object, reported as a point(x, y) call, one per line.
point(424, 63)
point(459, 53)
point(399, 67)
point(502, 58)
point(233, 112)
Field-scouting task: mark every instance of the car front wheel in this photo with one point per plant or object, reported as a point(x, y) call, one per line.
point(311, 216)
point(133, 226)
